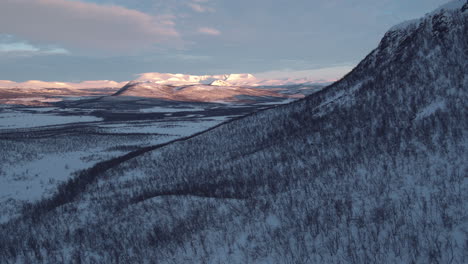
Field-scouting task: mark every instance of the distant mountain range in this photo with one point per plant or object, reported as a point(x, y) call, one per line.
point(244, 79)
point(165, 86)
point(215, 88)
point(165, 79)
point(215, 93)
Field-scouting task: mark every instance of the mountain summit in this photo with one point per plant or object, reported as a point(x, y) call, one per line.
point(186, 79)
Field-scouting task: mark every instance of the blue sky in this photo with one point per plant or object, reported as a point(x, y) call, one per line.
point(64, 40)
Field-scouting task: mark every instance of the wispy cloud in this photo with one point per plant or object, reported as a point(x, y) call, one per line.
point(85, 26)
point(200, 8)
point(26, 49)
point(209, 31)
point(17, 47)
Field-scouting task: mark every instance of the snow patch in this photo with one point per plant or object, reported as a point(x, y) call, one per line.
point(430, 109)
point(158, 109)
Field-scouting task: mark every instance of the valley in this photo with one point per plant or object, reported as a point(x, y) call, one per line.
point(46, 142)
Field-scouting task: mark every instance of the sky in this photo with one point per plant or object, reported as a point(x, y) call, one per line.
point(77, 40)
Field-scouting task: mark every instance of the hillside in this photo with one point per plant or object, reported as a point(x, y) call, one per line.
point(227, 88)
point(372, 169)
point(40, 93)
point(207, 93)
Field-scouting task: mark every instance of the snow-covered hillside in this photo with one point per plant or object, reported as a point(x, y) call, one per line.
point(217, 92)
point(238, 88)
point(371, 169)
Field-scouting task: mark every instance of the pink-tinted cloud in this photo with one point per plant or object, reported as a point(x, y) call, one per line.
point(209, 31)
point(85, 25)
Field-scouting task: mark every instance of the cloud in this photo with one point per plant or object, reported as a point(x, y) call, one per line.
point(17, 47)
point(326, 74)
point(26, 49)
point(209, 31)
point(188, 57)
point(199, 8)
point(85, 26)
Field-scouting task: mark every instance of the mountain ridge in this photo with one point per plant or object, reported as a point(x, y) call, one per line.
point(233, 79)
point(217, 92)
point(36, 84)
point(246, 79)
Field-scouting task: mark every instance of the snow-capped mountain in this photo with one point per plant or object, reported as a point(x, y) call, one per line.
point(218, 91)
point(165, 79)
point(371, 169)
point(243, 79)
point(186, 79)
point(220, 83)
point(213, 88)
point(168, 86)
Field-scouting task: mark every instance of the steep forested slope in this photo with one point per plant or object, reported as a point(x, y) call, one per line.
point(370, 170)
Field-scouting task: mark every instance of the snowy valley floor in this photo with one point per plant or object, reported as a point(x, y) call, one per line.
point(43, 147)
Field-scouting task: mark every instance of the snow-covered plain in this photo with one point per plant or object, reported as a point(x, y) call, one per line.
point(31, 180)
point(159, 109)
point(14, 119)
point(39, 153)
point(170, 128)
